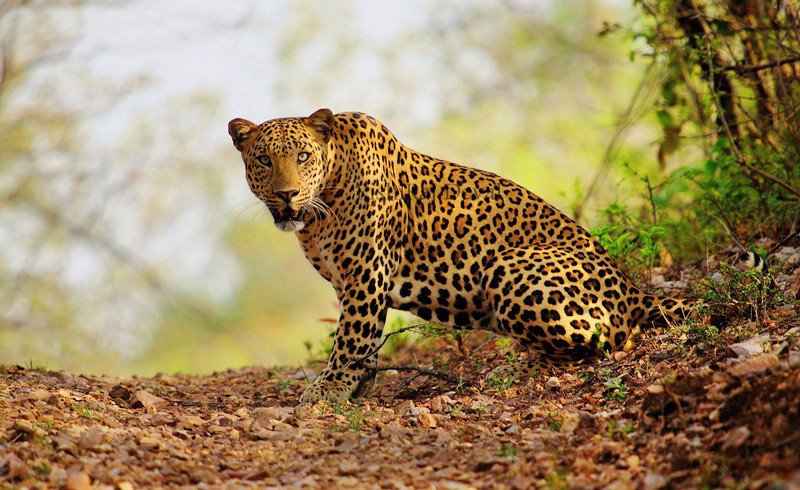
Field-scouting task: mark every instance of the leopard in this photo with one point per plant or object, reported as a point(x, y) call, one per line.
point(393, 228)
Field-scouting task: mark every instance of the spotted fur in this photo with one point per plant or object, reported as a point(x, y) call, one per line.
point(389, 227)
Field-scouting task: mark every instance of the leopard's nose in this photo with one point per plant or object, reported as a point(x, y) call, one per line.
point(287, 195)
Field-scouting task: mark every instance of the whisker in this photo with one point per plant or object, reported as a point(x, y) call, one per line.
point(247, 207)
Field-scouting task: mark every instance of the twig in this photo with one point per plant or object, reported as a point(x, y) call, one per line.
point(740, 69)
point(386, 339)
point(424, 371)
point(768, 176)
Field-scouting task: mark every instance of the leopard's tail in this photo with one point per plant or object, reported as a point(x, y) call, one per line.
point(664, 312)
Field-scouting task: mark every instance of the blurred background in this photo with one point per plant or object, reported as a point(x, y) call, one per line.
point(129, 241)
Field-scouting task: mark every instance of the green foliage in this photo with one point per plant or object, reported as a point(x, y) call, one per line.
point(740, 293)
point(353, 416)
point(615, 389)
point(500, 384)
point(633, 244)
point(619, 428)
point(737, 176)
point(507, 451)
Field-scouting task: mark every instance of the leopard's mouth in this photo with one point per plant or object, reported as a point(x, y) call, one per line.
point(288, 219)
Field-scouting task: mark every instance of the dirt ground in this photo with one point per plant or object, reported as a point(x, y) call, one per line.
point(687, 407)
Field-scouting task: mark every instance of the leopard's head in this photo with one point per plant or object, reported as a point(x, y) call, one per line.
point(286, 162)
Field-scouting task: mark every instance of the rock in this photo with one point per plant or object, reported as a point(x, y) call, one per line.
point(147, 400)
point(553, 383)
point(121, 395)
point(755, 365)
point(570, 422)
point(404, 408)
point(190, 421)
point(392, 431)
point(348, 468)
point(751, 347)
point(427, 420)
point(78, 481)
point(24, 430)
point(14, 468)
point(736, 438)
point(58, 476)
point(90, 439)
point(619, 355)
point(787, 256)
point(38, 395)
point(64, 442)
point(653, 481)
point(439, 403)
point(271, 413)
point(149, 443)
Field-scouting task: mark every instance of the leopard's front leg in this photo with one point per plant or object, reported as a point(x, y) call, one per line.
point(355, 343)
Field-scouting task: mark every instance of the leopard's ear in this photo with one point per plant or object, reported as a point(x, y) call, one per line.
point(240, 130)
point(322, 122)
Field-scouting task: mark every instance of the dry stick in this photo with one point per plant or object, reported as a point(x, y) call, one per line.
point(741, 69)
point(420, 371)
point(625, 121)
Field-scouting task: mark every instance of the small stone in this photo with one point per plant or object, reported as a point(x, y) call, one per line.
point(620, 355)
point(38, 395)
point(120, 394)
point(14, 468)
point(348, 468)
point(392, 431)
point(427, 420)
point(439, 403)
point(125, 485)
point(751, 347)
point(78, 481)
point(149, 443)
point(190, 421)
point(653, 481)
point(736, 438)
point(553, 383)
point(24, 430)
point(633, 461)
point(58, 476)
point(405, 408)
point(90, 439)
point(755, 365)
point(148, 400)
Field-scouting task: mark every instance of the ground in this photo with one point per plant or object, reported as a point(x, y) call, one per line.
point(689, 406)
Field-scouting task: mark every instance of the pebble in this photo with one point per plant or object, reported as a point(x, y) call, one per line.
point(553, 383)
point(751, 347)
point(427, 420)
point(78, 481)
point(90, 439)
point(149, 443)
point(148, 400)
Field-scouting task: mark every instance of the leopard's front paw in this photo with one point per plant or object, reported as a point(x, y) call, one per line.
point(326, 388)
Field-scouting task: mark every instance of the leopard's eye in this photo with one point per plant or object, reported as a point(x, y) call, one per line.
point(302, 157)
point(264, 161)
